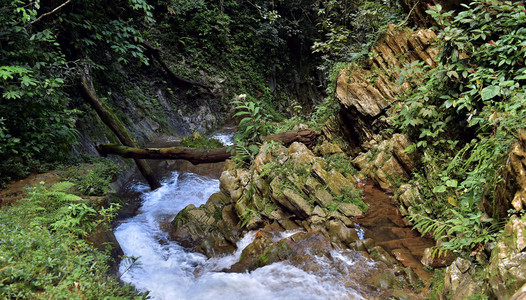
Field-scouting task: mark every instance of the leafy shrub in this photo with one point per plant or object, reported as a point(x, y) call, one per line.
point(92, 179)
point(254, 125)
point(465, 116)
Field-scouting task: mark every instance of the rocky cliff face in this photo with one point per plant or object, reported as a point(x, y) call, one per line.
point(365, 93)
point(150, 107)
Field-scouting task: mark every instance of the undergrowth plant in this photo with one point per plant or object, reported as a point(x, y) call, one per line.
point(464, 117)
point(94, 178)
point(42, 251)
point(255, 124)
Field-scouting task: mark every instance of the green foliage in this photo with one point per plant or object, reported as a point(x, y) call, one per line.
point(253, 126)
point(35, 122)
point(465, 116)
point(200, 141)
point(437, 285)
point(42, 256)
point(39, 67)
point(342, 163)
point(481, 63)
point(255, 123)
point(92, 179)
point(244, 42)
point(349, 28)
point(352, 195)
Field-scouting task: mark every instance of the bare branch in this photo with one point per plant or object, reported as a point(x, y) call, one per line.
point(410, 12)
point(51, 12)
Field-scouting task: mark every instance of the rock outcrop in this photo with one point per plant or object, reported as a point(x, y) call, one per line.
point(517, 169)
point(388, 163)
point(507, 265)
point(291, 188)
point(507, 268)
point(211, 229)
point(366, 92)
point(460, 281)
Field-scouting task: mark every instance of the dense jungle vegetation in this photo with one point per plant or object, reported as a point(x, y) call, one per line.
point(464, 115)
point(46, 45)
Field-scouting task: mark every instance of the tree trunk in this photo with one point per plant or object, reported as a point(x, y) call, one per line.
point(197, 156)
point(106, 115)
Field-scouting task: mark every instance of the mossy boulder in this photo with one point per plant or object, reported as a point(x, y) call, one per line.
point(211, 229)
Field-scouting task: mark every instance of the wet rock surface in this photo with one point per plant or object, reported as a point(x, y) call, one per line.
point(284, 187)
point(314, 253)
point(211, 229)
point(386, 226)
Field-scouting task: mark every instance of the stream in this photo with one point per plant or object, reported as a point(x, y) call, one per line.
point(166, 270)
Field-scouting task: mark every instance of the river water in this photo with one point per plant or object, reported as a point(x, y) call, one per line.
point(167, 271)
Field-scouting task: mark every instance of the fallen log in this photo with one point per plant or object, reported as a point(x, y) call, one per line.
point(197, 156)
point(193, 155)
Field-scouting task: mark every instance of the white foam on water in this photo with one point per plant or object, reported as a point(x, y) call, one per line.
point(360, 231)
point(168, 271)
point(227, 138)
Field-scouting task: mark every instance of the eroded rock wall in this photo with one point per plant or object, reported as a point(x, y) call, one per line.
point(366, 92)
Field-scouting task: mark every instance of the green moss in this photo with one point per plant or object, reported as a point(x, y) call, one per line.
point(275, 252)
point(342, 164)
point(352, 195)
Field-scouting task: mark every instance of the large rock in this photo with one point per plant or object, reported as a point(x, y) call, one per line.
point(459, 282)
point(388, 163)
point(507, 269)
point(436, 260)
point(366, 92)
point(211, 229)
point(282, 187)
point(296, 204)
point(350, 210)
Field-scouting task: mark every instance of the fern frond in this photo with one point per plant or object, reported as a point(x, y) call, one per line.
point(62, 186)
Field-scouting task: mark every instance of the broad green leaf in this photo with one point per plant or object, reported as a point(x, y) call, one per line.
point(490, 92)
point(452, 183)
point(439, 189)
